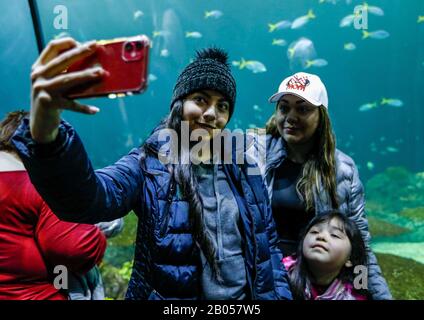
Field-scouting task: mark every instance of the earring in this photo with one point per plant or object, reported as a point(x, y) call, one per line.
point(348, 264)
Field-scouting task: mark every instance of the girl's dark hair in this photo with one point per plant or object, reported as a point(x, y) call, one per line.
point(187, 183)
point(8, 126)
point(300, 273)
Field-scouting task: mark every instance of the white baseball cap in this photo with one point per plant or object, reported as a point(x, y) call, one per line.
point(304, 85)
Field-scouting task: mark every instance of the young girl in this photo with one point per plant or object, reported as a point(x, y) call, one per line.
point(323, 269)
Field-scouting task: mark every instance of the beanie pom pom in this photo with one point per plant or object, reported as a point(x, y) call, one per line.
point(213, 53)
point(208, 71)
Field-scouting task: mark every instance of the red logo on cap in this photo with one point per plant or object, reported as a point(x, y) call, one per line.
point(298, 83)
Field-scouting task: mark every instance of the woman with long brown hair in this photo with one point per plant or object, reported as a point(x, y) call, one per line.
point(305, 173)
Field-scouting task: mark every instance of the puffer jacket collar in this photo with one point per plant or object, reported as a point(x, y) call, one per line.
point(276, 152)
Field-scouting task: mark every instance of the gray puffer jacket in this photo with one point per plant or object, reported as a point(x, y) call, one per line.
point(351, 198)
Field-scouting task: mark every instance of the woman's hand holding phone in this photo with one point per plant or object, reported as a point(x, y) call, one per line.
point(50, 82)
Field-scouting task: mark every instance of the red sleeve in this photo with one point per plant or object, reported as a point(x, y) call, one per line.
point(77, 246)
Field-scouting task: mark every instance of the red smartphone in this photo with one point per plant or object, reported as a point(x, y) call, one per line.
point(125, 61)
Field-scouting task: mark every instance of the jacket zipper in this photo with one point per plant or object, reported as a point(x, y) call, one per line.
point(254, 278)
point(166, 218)
point(255, 271)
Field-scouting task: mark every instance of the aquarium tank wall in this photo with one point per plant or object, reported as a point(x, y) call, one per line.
point(369, 55)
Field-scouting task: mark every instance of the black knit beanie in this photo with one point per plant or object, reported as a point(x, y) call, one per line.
point(209, 71)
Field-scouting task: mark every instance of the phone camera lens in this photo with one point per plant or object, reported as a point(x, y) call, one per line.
point(129, 47)
point(138, 45)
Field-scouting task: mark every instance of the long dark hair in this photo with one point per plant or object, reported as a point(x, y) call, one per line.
point(183, 175)
point(300, 273)
point(320, 168)
point(8, 126)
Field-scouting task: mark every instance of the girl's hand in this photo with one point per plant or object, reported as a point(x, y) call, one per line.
point(50, 82)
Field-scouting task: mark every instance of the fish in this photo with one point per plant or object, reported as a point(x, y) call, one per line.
point(279, 42)
point(164, 53)
point(138, 14)
point(347, 21)
point(213, 14)
point(193, 34)
point(252, 65)
point(375, 10)
point(130, 141)
point(328, 1)
point(349, 46)
point(257, 108)
point(299, 52)
point(379, 34)
point(392, 149)
point(368, 106)
point(392, 102)
point(256, 66)
point(291, 52)
point(284, 24)
point(333, 1)
point(371, 9)
point(303, 48)
point(301, 21)
point(370, 165)
point(420, 19)
point(316, 63)
point(160, 33)
point(152, 77)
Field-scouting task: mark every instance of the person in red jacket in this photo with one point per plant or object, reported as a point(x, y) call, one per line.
point(33, 241)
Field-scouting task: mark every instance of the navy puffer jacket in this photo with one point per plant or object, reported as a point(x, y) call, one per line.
point(167, 261)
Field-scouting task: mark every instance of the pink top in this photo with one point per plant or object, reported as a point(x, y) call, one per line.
point(337, 290)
